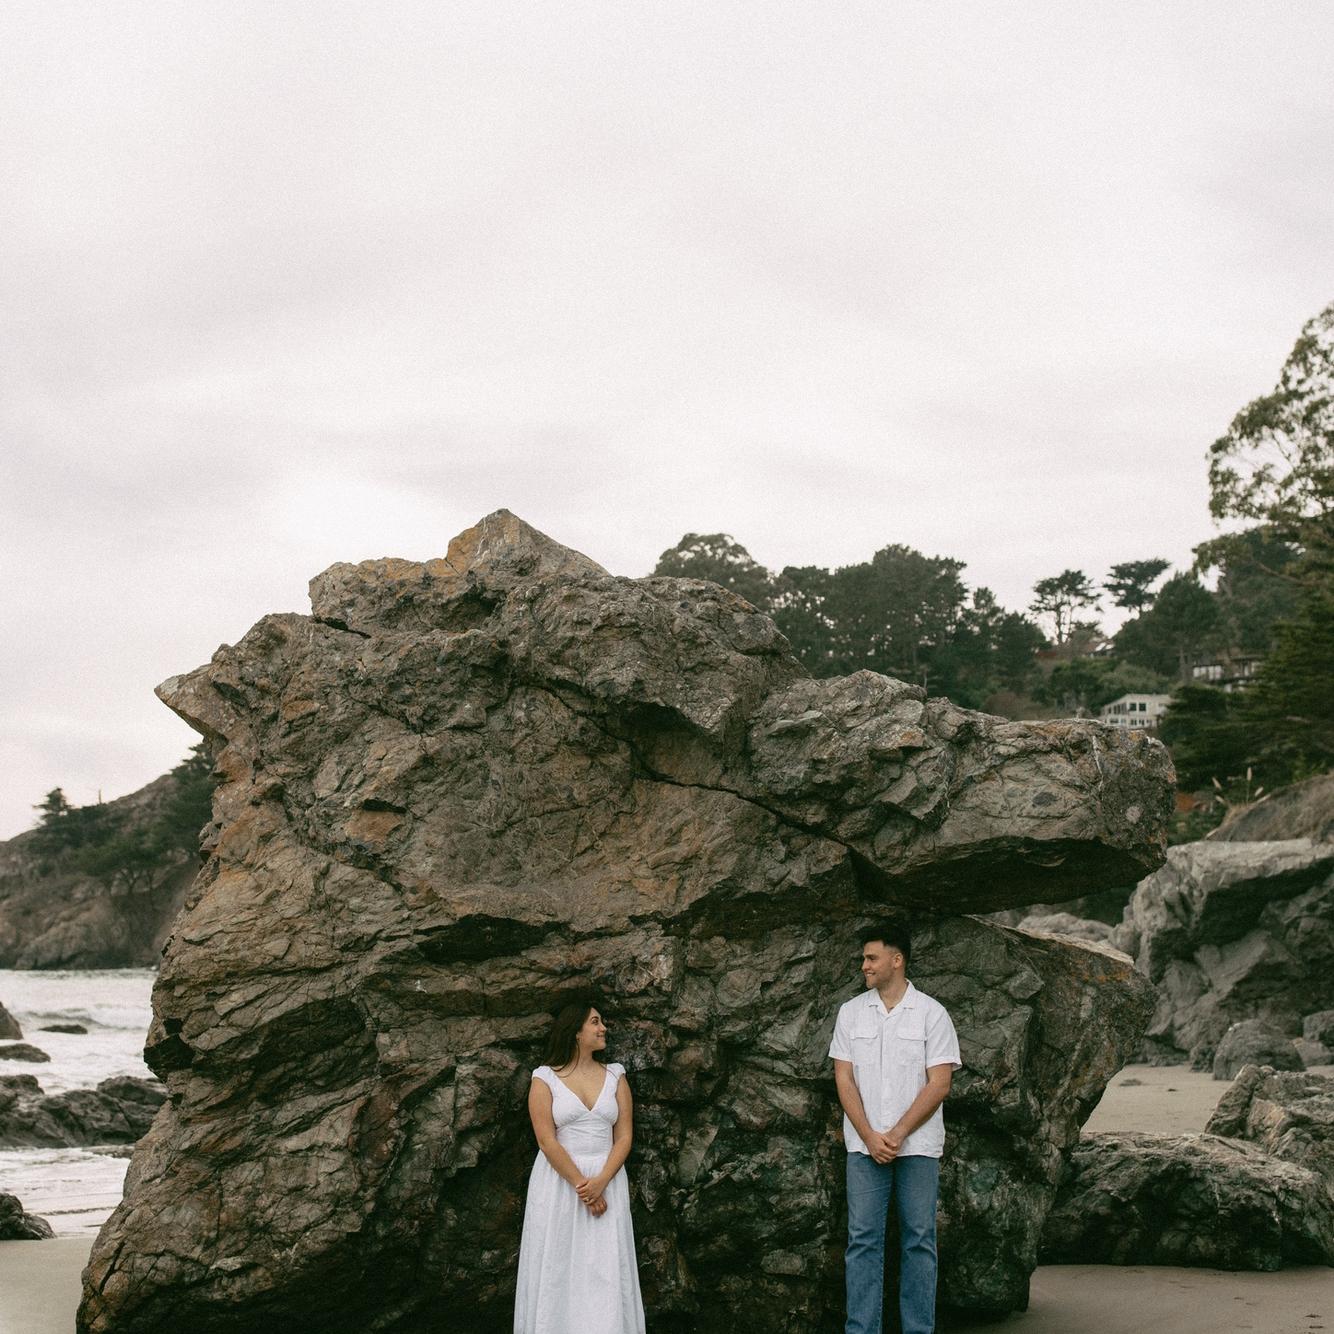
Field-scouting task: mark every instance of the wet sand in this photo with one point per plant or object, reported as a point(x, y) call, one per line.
point(39, 1280)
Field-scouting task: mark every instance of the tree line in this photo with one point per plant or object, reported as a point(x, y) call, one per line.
point(132, 853)
point(1271, 483)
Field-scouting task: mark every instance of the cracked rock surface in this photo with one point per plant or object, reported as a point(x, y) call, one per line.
point(1229, 932)
point(1194, 1200)
point(466, 789)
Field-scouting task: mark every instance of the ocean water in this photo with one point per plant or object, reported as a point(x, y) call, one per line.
point(75, 1189)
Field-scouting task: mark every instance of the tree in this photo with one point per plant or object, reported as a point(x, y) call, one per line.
point(799, 608)
point(1184, 619)
point(1129, 582)
point(1209, 736)
point(1256, 590)
point(891, 613)
point(1275, 464)
point(720, 558)
point(1061, 598)
point(1292, 701)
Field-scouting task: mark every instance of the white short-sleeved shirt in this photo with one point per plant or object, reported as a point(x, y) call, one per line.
point(890, 1051)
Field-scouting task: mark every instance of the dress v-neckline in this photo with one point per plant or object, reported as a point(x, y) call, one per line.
point(588, 1107)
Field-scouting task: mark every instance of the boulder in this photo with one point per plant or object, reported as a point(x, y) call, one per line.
point(1300, 810)
point(1196, 1200)
point(1232, 931)
point(62, 1028)
point(1254, 1042)
point(15, 1225)
point(9, 1026)
point(1068, 925)
point(1312, 1053)
point(118, 1111)
point(22, 1051)
point(1319, 1027)
point(1285, 1113)
point(467, 789)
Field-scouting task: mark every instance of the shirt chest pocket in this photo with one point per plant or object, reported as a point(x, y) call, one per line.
point(908, 1046)
point(865, 1041)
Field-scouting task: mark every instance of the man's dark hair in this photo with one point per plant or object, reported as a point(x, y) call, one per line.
point(894, 934)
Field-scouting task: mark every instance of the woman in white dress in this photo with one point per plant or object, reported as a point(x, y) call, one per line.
point(577, 1270)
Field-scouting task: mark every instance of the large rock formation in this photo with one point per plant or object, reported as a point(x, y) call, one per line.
point(465, 790)
point(9, 1026)
point(1233, 931)
point(118, 1111)
point(1287, 1114)
point(1188, 1200)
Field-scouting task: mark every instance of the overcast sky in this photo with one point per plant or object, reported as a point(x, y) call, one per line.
point(285, 284)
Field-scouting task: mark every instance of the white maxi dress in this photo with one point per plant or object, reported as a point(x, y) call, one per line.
point(577, 1273)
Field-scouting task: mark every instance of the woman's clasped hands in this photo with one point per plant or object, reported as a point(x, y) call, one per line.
point(590, 1191)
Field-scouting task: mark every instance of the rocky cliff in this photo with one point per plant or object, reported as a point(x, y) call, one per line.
point(55, 915)
point(464, 790)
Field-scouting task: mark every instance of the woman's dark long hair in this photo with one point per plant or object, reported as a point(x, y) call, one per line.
point(563, 1039)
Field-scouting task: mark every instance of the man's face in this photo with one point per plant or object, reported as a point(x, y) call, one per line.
point(880, 962)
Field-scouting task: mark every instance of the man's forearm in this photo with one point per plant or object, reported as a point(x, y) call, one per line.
point(923, 1106)
point(851, 1101)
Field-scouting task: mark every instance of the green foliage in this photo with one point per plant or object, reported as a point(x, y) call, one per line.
point(1210, 736)
point(719, 557)
point(1258, 586)
point(1275, 464)
point(1086, 684)
point(1129, 582)
point(1292, 700)
point(901, 613)
point(123, 850)
point(1060, 599)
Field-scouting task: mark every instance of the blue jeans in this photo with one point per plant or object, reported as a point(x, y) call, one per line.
point(914, 1184)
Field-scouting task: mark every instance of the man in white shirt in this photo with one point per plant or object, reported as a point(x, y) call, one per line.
point(894, 1052)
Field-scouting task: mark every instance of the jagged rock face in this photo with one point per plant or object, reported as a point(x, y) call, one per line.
point(118, 1111)
point(1287, 1114)
point(468, 789)
point(1233, 931)
point(9, 1026)
point(1188, 1200)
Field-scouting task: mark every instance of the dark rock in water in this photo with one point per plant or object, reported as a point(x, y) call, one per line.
point(15, 1225)
point(1286, 1113)
point(468, 789)
point(9, 1026)
point(1197, 1200)
point(1232, 931)
point(1300, 810)
point(1254, 1042)
point(62, 1028)
point(118, 1111)
point(22, 1051)
point(1319, 1027)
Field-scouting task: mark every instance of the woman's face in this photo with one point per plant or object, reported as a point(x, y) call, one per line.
point(593, 1035)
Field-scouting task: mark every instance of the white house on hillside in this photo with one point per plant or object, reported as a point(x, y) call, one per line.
point(1137, 711)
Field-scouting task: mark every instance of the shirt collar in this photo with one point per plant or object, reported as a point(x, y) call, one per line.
point(908, 1002)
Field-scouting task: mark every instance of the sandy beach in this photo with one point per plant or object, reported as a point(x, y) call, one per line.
point(39, 1280)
